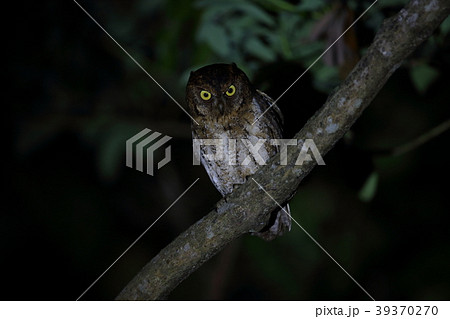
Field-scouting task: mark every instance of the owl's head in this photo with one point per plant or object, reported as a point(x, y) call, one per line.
point(217, 90)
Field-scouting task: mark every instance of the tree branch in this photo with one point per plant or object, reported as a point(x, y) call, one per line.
point(248, 207)
point(415, 143)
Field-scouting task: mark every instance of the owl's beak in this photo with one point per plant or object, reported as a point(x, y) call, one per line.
point(221, 106)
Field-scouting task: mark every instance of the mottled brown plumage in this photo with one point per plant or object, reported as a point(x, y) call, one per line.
point(224, 103)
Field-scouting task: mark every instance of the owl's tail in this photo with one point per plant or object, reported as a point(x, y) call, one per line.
point(280, 222)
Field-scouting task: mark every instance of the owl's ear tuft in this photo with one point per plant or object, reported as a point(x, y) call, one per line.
point(234, 66)
point(191, 76)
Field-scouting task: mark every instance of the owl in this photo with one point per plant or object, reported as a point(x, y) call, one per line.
point(232, 137)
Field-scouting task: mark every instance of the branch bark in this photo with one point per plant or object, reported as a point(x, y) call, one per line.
point(248, 207)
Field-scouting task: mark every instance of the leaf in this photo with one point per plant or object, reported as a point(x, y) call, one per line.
point(445, 26)
point(217, 3)
point(280, 5)
point(256, 13)
point(257, 48)
point(310, 5)
point(216, 37)
point(213, 9)
point(308, 50)
point(367, 192)
point(325, 77)
point(423, 76)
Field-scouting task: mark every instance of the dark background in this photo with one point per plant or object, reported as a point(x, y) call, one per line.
point(71, 206)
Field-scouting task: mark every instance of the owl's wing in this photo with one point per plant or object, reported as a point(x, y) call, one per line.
point(212, 169)
point(280, 221)
point(272, 113)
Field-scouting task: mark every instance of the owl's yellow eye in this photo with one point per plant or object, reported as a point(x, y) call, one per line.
point(231, 90)
point(205, 95)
